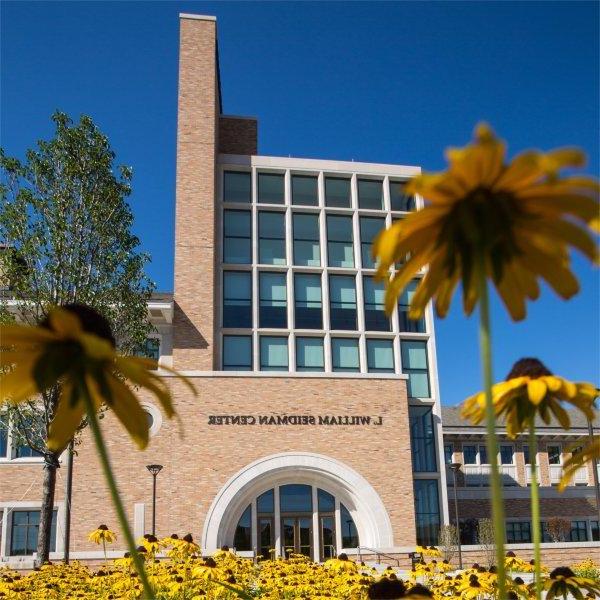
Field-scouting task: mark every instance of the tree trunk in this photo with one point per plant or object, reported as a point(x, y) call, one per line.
point(47, 509)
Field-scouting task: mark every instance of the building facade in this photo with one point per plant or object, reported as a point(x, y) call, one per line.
point(318, 424)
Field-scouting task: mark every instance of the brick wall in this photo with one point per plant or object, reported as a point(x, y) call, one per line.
point(199, 459)
point(197, 132)
point(238, 135)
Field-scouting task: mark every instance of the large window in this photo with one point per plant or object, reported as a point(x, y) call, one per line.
point(24, 532)
point(271, 188)
point(307, 251)
point(340, 248)
point(237, 299)
point(309, 354)
point(237, 353)
point(375, 317)
point(305, 190)
point(414, 364)
point(237, 187)
point(337, 192)
point(273, 300)
point(243, 532)
point(237, 237)
point(448, 453)
point(271, 238)
point(273, 353)
point(554, 455)
point(342, 302)
point(150, 349)
point(406, 324)
point(422, 438)
point(518, 532)
point(308, 301)
point(345, 355)
point(349, 531)
point(370, 194)
point(295, 498)
point(507, 454)
point(380, 356)
point(579, 531)
point(399, 199)
point(427, 511)
point(369, 228)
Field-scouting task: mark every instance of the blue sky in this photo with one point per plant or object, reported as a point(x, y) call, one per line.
point(381, 82)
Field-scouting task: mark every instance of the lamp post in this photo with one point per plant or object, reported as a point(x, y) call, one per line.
point(155, 470)
point(595, 473)
point(455, 467)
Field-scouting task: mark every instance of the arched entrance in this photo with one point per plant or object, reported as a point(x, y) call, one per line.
point(297, 501)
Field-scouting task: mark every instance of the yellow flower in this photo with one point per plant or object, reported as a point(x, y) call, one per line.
point(428, 551)
point(102, 534)
point(531, 389)
point(518, 218)
point(75, 347)
point(577, 460)
point(150, 543)
point(563, 582)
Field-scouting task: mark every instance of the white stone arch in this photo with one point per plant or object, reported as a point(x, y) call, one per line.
point(352, 489)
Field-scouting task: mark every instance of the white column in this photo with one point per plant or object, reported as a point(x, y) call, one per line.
point(254, 527)
point(316, 538)
point(277, 523)
point(139, 519)
point(338, 527)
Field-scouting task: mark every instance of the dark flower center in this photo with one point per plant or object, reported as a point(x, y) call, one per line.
point(528, 367)
point(386, 589)
point(188, 538)
point(419, 590)
point(209, 562)
point(561, 572)
point(91, 321)
point(342, 556)
point(103, 528)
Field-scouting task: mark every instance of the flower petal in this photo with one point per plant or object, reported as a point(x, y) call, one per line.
point(65, 323)
point(128, 410)
point(66, 420)
point(536, 390)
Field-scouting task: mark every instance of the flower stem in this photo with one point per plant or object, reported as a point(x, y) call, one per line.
point(490, 421)
point(535, 510)
point(114, 492)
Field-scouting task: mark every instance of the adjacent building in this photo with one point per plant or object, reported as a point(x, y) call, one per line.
point(318, 424)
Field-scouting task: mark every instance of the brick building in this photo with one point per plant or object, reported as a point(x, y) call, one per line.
point(318, 423)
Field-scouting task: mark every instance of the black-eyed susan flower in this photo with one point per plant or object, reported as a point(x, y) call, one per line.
point(562, 583)
point(590, 452)
point(512, 223)
point(530, 389)
point(150, 543)
point(102, 535)
point(386, 588)
point(75, 346)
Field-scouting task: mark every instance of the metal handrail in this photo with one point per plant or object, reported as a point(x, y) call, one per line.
point(377, 553)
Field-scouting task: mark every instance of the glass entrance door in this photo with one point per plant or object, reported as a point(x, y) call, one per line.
point(297, 535)
point(265, 537)
point(327, 524)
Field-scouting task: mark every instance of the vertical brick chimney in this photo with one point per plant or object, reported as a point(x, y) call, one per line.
point(197, 135)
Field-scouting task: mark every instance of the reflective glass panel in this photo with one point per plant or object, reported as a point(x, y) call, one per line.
point(273, 300)
point(295, 497)
point(273, 353)
point(305, 190)
point(307, 251)
point(399, 199)
point(237, 299)
point(345, 355)
point(369, 228)
point(237, 237)
point(370, 194)
point(414, 364)
point(380, 356)
point(427, 511)
point(309, 354)
point(265, 503)
point(422, 439)
point(271, 188)
point(349, 531)
point(342, 302)
point(337, 192)
point(243, 532)
point(237, 187)
point(326, 501)
point(307, 298)
point(237, 353)
point(340, 248)
point(375, 317)
point(406, 324)
point(271, 238)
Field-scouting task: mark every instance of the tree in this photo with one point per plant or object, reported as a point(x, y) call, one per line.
point(487, 539)
point(448, 541)
point(65, 234)
point(558, 529)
